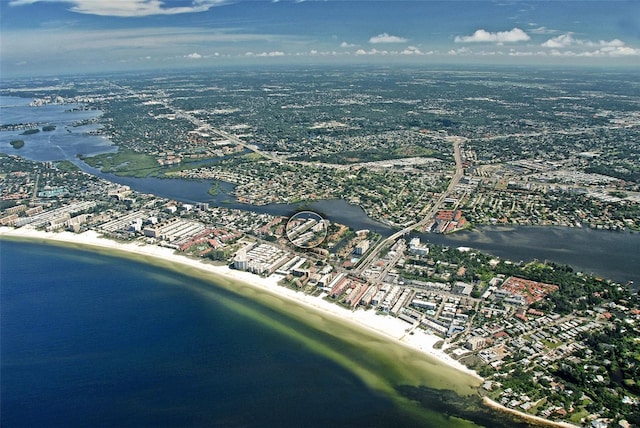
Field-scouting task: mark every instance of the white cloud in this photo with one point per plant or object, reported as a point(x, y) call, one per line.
point(161, 39)
point(371, 52)
point(347, 45)
point(601, 48)
point(622, 51)
point(612, 43)
point(411, 50)
point(611, 51)
point(483, 36)
point(516, 53)
point(265, 54)
point(387, 38)
point(194, 55)
point(542, 30)
point(461, 51)
point(127, 8)
point(561, 41)
point(566, 40)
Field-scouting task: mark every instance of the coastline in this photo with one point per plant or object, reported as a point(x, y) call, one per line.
point(386, 327)
point(529, 418)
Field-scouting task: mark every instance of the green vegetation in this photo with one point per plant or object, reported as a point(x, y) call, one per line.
point(619, 194)
point(49, 128)
point(253, 156)
point(67, 166)
point(443, 260)
point(220, 255)
point(30, 131)
point(390, 194)
point(215, 190)
point(125, 163)
point(612, 357)
point(618, 169)
point(574, 293)
point(17, 144)
point(7, 204)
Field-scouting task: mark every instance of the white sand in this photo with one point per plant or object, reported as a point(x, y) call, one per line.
point(535, 419)
point(386, 326)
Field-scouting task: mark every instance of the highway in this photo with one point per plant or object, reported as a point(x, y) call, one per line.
point(163, 98)
point(364, 264)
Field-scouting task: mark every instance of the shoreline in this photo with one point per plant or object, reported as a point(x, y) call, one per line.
point(386, 327)
point(538, 420)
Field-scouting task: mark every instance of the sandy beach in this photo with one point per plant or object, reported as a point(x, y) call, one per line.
point(387, 326)
point(531, 418)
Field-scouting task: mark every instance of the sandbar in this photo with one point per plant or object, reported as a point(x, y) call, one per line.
point(531, 418)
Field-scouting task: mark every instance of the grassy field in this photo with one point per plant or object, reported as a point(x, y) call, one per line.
point(67, 166)
point(125, 163)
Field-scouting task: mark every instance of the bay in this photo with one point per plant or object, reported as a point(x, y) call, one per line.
point(65, 142)
point(109, 341)
point(611, 255)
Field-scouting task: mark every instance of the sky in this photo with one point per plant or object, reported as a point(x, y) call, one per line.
point(49, 37)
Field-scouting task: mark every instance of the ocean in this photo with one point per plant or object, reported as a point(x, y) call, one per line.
point(91, 339)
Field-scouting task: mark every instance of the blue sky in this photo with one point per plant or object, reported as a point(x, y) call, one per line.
point(69, 36)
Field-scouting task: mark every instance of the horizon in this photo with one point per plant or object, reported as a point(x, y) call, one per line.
point(284, 67)
point(75, 37)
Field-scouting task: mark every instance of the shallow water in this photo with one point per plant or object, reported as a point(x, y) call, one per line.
point(109, 341)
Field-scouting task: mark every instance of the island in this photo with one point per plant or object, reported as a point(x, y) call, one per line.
point(17, 144)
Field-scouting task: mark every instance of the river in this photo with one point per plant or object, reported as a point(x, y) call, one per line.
point(614, 255)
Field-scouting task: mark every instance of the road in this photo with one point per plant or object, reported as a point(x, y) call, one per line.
point(364, 264)
point(220, 133)
point(163, 98)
